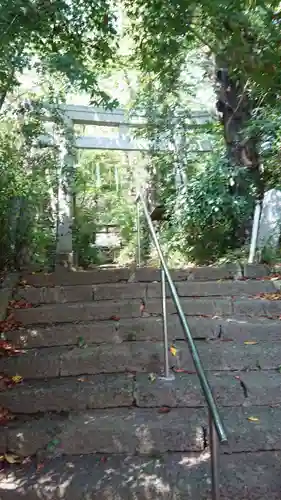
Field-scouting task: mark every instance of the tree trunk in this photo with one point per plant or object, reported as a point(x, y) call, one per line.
point(235, 108)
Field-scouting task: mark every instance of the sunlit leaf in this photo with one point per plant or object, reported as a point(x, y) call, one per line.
point(173, 350)
point(12, 459)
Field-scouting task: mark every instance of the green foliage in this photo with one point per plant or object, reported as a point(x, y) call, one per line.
point(243, 34)
point(244, 37)
point(74, 43)
point(266, 124)
point(102, 199)
point(205, 218)
point(27, 182)
point(76, 39)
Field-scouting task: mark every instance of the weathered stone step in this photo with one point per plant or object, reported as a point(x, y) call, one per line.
point(147, 431)
point(229, 389)
point(207, 273)
point(146, 274)
point(70, 393)
point(240, 329)
point(116, 291)
point(139, 357)
point(65, 277)
point(108, 309)
point(107, 391)
point(254, 476)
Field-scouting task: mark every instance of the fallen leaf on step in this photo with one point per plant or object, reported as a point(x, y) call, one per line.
point(173, 350)
point(268, 296)
point(7, 382)
point(8, 349)
point(12, 459)
point(182, 370)
point(250, 342)
point(253, 419)
point(17, 379)
point(81, 379)
point(20, 304)
point(5, 415)
point(115, 318)
point(164, 409)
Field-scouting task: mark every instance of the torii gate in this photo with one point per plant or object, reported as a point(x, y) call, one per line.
point(124, 123)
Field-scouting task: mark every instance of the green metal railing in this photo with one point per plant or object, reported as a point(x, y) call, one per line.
point(216, 429)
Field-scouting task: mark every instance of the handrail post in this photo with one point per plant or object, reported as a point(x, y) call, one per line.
point(167, 374)
point(216, 428)
point(193, 350)
point(138, 249)
point(214, 452)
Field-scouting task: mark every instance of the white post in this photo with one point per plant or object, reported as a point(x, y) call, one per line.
point(255, 232)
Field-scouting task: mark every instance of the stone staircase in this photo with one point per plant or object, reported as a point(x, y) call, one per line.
point(92, 418)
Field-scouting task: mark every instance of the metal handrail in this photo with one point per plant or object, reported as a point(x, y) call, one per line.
point(216, 427)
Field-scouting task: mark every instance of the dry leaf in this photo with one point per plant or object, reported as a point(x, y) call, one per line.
point(173, 350)
point(250, 342)
point(253, 419)
point(164, 409)
point(12, 459)
point(182, 370)
point(269, 296)
point(5, 415)
point(115, 318)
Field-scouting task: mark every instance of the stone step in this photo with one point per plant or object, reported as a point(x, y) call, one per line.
point(229, 389)
point(137, 357)
point(172, 476)
point(107, 391)
point(146, 431)
point(68, 278)
point(146, 274)
point(108, 309)
point(116, 291)
point(240, 329)
point(70, 393)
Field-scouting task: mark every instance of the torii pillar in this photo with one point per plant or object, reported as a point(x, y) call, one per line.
point(64, 248)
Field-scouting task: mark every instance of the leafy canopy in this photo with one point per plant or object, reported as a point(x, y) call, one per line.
point(75, 38)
